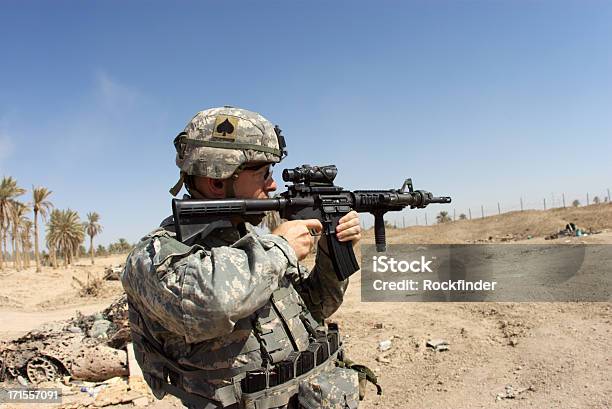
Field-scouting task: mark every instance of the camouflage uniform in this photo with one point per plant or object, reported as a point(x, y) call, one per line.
point(205, 317)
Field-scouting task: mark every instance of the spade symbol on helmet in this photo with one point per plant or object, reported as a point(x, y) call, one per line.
point(225, 127)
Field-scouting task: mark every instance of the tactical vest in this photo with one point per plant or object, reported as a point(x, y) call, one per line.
point(259, 365)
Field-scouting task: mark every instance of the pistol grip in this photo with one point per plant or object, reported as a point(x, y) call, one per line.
point(341, 253)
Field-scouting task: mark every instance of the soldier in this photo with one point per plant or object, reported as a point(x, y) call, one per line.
point(235, 320)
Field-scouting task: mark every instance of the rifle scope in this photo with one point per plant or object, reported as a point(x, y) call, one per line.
point(311, 174)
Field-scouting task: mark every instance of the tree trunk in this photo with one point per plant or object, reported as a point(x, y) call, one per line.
point(4, 243)
point(1, 250)
point(15, 253)
point(23, 253)
point(53, 257)
point(91, 249)
point(15, 244)
point(26, 254)
point(36, 242)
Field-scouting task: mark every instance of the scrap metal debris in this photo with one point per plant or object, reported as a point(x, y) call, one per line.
point(511, 393)
point(438, 345)
point(384, 345)
point(571, 230)
point(112, 273)
point(91, 347)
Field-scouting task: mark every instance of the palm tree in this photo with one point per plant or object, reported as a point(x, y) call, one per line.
point(8, 192)
point(40, 206)
point(124, 246)
point(25, 236)
point(65, 233)
point(19, 211)
point(443, 217)
point(101, 250)
point(93, 228)
point(50, 239)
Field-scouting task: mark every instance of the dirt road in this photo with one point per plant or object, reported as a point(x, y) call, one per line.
point(14, 324)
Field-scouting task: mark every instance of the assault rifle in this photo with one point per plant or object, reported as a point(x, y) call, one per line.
point(312, 195)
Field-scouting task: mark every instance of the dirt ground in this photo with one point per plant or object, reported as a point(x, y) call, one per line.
point(28, 298)
point(503, 355)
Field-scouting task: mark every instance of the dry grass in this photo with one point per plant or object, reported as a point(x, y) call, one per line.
point(520, 225)
point(92, 287)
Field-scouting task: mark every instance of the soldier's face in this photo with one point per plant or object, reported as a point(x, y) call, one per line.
point(255, 183)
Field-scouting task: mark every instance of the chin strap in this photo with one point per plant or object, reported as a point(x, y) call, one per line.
point(177, 187)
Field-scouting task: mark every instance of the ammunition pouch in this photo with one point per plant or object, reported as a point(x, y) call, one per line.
point(336, 388)
point(296, 366)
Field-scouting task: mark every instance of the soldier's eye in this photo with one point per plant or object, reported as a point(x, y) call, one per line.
point(268, 173)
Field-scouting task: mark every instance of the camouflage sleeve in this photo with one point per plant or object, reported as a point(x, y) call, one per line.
point(200, 294)
point(321, 290)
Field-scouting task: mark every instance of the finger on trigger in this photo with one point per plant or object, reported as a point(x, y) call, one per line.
point(313, 232)
point(313, 225)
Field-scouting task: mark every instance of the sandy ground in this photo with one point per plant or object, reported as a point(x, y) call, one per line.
point(29, 299)
point(551, 355)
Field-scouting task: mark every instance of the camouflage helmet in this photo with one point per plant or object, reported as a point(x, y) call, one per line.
point(219, 141)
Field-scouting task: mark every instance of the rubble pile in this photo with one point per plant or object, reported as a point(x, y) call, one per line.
point(88, 358)
point(112, 273)
point(91, 348)
point(571, 230)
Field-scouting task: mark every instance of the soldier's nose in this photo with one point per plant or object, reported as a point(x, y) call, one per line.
point(271, 187)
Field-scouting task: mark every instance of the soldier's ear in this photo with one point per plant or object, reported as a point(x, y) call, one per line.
point(216, 187)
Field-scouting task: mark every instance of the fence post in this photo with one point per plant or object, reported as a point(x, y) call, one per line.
point(470, 212)
point(563, 195)
point(587, 198)
point(521, 204)
point(498, 208)
point(403, 222)
point(454, 214)
point(608, 195)
point(482, 210)
point(544, 203)
point(425, 219)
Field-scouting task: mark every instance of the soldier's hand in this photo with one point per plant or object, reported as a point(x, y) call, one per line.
point(297, 234)
point(349, 228)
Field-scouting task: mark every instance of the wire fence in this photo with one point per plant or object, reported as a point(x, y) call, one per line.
point(426, 217)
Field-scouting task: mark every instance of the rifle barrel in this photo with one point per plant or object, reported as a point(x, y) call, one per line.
point(441, 199)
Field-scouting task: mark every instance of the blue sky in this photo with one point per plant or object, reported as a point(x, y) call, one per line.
point(486, 101)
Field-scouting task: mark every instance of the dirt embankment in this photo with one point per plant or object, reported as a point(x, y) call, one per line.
point(520, 225)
